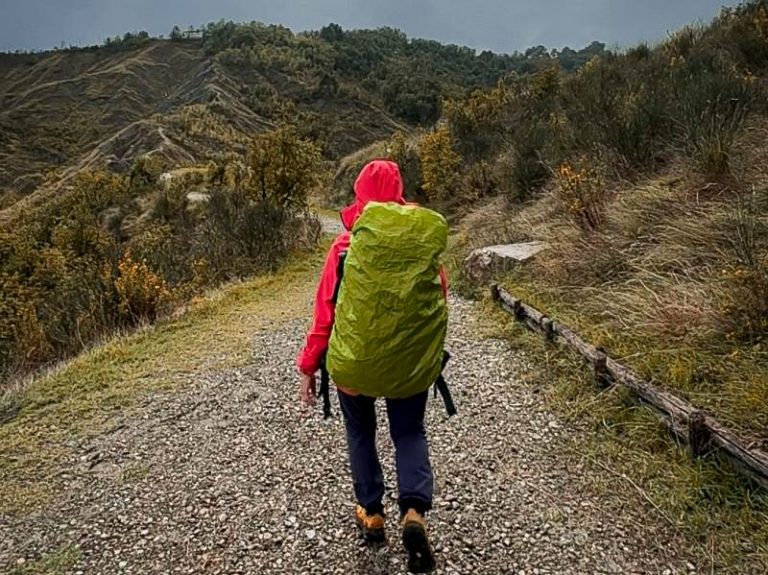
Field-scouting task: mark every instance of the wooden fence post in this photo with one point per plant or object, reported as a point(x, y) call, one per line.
point(600, 368)
point(547, 326)
point(699, 434)
point(495, 295)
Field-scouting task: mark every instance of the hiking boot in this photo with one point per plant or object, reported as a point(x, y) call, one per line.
point(420, 556)
point(371, 525)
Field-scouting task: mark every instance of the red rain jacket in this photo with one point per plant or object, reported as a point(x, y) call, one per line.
point(379, 181)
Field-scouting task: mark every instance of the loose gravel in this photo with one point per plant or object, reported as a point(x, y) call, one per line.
point(227, 476)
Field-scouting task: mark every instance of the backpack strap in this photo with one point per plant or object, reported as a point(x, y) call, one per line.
point(339, 276)
point(325, 390)
point(325, 377)
point(442, 386)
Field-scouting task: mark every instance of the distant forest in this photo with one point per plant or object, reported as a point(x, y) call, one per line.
point(411, 75)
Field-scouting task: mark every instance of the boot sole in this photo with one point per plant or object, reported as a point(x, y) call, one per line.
point(372, 536)
point(420, 556)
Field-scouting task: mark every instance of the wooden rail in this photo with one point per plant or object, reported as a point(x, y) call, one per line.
point(702, 432)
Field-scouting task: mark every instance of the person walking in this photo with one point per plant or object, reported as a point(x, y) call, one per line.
point(380, 321)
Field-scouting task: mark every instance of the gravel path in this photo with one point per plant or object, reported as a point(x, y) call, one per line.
point(331, 224)
point(225, 476)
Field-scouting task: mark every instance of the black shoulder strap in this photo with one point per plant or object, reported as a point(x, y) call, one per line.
point(339, 276)
point(325, 378)
point(325, 390)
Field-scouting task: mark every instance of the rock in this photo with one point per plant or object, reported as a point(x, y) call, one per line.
point(118, 165)
point(484, 263)
point(198, 197)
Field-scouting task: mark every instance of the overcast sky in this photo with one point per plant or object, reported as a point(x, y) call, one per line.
point(499, 25)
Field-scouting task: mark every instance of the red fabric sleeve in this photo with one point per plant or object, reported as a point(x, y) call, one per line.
point(317, 339)
point(444, 281)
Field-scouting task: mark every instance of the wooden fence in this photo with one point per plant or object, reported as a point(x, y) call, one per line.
point(702, 432)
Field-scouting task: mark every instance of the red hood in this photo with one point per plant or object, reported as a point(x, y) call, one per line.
point(379, 181)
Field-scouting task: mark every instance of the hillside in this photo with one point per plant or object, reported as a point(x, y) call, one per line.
point(137, 173)
point(185, 224)
point(190, 101)
point(85, 110)
point(57, 108)
point(644, 173)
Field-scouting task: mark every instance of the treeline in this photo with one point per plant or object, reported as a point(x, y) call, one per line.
point(410, 76)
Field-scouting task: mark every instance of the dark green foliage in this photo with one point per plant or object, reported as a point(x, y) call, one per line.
point(409, 76)
point(128, 41)
point(332, 33)
point(690, 96)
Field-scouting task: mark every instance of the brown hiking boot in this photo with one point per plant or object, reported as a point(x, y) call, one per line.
point(420, 556)
point(371, 525)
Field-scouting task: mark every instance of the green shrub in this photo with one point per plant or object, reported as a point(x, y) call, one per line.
point(710, 109)
point(689, 97)
point(405, 154)
point(69, 276)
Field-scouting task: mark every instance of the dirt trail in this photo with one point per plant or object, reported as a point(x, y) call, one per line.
point(223, 475)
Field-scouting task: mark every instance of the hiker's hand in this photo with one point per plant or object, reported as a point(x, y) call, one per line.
point(307, 390)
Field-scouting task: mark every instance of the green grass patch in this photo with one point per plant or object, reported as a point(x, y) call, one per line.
point(54, 564)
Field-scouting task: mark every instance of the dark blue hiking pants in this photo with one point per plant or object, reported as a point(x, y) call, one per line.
point(406, 426)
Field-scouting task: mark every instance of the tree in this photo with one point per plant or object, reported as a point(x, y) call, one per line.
point(284, 167)
point(176, 33)
point(332, 33)
point(439, 164)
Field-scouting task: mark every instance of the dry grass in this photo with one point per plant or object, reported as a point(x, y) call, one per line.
point(723, 519)
point(656, 286)
point(650, 287)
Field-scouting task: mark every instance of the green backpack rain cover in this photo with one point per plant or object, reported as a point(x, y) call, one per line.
point(391, 316)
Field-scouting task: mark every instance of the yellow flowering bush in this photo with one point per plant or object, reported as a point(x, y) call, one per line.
point(439, 164)
point(142, 294)
point(581, 189)
point(760, 20)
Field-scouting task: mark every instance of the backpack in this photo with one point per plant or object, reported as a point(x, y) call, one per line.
point(391, 316)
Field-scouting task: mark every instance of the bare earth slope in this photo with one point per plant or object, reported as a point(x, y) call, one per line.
point(64, 112)
point(57, 107)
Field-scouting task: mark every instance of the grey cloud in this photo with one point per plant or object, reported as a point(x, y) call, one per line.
point(500, 25)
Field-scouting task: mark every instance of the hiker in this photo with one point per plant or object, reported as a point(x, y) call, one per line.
point(379, 325)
